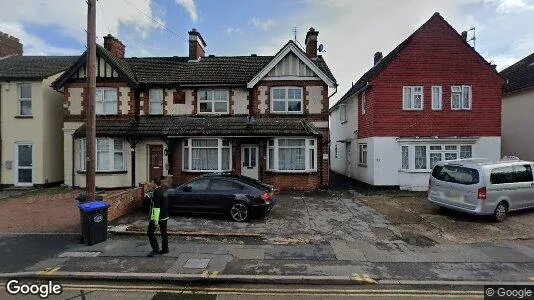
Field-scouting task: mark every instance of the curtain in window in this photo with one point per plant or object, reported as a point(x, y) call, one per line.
point(204, 159)
point(291, 159)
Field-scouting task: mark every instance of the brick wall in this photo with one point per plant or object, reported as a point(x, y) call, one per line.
point(9, 45)
point(122, 202)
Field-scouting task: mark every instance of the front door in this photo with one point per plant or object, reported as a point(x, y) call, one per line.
point(156, 161)
point(249, 161)
point(24, 165)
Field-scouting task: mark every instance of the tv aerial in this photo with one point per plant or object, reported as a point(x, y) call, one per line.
point(321, 48)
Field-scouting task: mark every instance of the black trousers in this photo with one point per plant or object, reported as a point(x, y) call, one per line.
point(164, 236)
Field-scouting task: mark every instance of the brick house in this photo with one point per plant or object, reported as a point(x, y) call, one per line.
point(517, 109)
point(265, 117)
point(431, 98)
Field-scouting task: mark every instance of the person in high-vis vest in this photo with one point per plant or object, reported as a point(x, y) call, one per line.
point(159, 214)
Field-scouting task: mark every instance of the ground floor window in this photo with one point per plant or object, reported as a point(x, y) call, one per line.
point(425, 157)
point(207, 155)
point(362, 157)
point(110, 155)
point(292, 154)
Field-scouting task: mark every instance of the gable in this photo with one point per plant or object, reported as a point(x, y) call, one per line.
point(103, 70)
point(291, 65)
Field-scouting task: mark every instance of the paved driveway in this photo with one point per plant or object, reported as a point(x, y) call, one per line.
point(320, 216)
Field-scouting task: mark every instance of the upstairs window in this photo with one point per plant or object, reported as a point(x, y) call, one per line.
point(213, 101)
point(155, 102)
point(106, 101)
point(461, 97)
point(343, 113)
point(436, 97)
point(25, 99)
point(286, 100)
point(412, 98)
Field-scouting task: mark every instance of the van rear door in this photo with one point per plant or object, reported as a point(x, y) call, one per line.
point(455, 185)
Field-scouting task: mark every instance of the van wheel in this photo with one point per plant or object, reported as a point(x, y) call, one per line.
point(239, 212)
point(500, 212)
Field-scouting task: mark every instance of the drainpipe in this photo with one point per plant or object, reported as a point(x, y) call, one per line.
point(133, 145)
point(1, 142)
point(73, 152)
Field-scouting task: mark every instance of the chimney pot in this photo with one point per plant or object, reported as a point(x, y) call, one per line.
point(464, 35)
point(115, 46)
point(378, 56)
point(311, 42)
point(197, 45)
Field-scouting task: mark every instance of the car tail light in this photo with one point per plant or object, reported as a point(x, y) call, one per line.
point(482, 193)
point(266, 197)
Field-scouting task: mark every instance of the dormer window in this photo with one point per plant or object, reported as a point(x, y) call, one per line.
point(106, 101)
point(213, 101)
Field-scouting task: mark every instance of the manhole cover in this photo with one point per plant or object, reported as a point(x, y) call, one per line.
point(197, 263)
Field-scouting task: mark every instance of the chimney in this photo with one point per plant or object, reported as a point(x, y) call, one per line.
point(197, 45)
point(378, 57)
point(113, 45)
point(311, 43)
point(9, 45)
point(464, 35)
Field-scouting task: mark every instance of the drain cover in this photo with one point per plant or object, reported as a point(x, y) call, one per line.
point(197, 263)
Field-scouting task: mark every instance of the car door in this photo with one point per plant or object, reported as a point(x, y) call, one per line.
point(524, 182)
point(222, 193)
point(187, 197)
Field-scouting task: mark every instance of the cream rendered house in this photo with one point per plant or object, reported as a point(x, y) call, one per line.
point(31, 119)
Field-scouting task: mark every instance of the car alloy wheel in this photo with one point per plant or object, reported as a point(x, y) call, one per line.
point(239, 212)
point(500, 212)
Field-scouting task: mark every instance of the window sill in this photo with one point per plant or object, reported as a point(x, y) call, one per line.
point(412, 109)
point(286, 113)
point(205, 171)
point(415, 171)
point(104, 172)
point(291, 172)
point(213, 113)
point(23, 117)
point(362, 165)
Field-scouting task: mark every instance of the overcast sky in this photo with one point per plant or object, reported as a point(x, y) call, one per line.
point(350, 30)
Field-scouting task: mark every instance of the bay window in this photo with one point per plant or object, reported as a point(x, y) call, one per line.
point(106, 101)
point(207, 155)
point(425, 157)
point(110, 155)
point(292, 155)
point(286, 100)
point(213, 101)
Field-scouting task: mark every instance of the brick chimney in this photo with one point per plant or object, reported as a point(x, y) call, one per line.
point(378, 57)
point(197, 45)
point(9, 45)
point(113, 45)
point(311, 43)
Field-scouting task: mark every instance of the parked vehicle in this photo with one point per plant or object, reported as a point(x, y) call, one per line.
point(482, 187)
point(222, 193)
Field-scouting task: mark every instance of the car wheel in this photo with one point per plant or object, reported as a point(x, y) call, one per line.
point(239, 212)
point(500, 212)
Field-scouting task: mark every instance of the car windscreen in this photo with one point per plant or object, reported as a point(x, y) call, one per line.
point(456, 174)
point(253, 182)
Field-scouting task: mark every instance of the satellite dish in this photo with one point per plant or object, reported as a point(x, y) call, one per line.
point(321, 48)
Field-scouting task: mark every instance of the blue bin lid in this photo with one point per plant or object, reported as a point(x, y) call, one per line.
point(93, 205)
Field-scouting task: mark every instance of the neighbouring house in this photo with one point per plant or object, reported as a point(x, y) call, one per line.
point(265, 117)
point(432, 98)
point(518, 109)
point(30, 118)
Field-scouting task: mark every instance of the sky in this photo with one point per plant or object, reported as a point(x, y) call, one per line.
point(351, 31)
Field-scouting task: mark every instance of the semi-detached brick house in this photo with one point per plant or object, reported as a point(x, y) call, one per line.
point(432, 98)
point(265, 117)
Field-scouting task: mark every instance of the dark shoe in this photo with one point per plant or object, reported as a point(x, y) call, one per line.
point(163, 251)
point(152, 253)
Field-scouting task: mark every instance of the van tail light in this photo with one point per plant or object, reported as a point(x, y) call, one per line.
point(266, 197)
point(482, 193)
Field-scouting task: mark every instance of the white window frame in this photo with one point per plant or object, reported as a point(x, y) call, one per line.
point(286, 100)
point(465, 92)
point(23, 100)
point(343, 113)
point(221, 144)
point(439, 99)
point(363, 103)
point(111, 152)
point(416, 90)
point(405, 166)
point(210, 98)
point(152, 100)
point(100, 101)
point(310, 145)
point(362, 154)
point(445, 150)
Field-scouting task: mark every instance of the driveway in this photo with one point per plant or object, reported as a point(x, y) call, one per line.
point(305, 217)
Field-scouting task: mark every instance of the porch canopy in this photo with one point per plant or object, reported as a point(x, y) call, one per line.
point(189, 126)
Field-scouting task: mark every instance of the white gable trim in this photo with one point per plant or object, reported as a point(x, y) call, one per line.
point(290, 47)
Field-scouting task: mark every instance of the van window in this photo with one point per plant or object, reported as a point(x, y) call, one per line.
point(456, 174)
point(519, 173)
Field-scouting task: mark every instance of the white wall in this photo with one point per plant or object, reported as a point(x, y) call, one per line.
point(517, 124)
point(343, 132)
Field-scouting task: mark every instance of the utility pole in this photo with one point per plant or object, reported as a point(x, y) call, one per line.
point(90, 106)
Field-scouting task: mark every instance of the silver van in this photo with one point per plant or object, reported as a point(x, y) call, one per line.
point(482, 187)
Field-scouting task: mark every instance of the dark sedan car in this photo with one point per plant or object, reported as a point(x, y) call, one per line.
point(223, 193)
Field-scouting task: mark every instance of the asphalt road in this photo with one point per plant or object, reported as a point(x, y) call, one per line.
point(18, 252)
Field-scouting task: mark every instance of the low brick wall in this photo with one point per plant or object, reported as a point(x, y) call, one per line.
point(122, 202)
